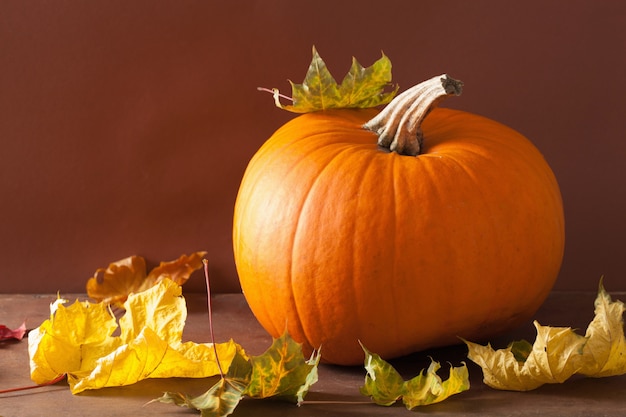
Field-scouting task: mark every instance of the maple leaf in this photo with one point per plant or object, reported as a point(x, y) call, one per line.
point(7, 333)
point(558, 352)
point(78, 341)
point(223, 397)
point(386, 386)
point(605, 351)
point(113, 284)
point(283, 372)
point(280, 372)
point(554, 357)
point(360, 88)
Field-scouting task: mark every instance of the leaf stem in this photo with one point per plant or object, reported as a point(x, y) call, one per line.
point(45, 384)
point(210, 309)
point(275, 92)
point(346, 402)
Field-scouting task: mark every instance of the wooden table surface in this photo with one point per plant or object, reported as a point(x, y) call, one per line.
point(336, 393)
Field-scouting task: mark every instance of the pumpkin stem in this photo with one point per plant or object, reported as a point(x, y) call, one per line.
point(398, 125)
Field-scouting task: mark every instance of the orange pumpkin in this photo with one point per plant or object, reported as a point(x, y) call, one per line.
point(339, 241)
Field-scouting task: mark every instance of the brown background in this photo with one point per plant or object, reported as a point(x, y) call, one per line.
point(126, 125)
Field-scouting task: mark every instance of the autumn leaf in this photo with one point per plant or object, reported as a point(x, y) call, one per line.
point(386, 386)
point(360, 88)
point(382, 383)
point(558, 352)
point(605, 351)
point(7, 333)
point(554, 357)
point(113, 284)
point(223, 397)
point(56, 346)
point(78, 341)
point(281, 372)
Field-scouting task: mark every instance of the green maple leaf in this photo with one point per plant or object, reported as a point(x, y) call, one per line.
point(386, 386)
point(382, 382)
point(283, 372)
point(360, 88)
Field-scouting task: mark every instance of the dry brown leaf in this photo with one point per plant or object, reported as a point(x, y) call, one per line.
point(113, 285)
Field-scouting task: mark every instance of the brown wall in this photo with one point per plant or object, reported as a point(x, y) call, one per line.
point(126, 125)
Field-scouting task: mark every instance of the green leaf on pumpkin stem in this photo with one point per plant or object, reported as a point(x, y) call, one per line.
point(360, 88)
point(385, 385)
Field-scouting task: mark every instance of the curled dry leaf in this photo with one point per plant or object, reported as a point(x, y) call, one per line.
point(7, 333)
point(283, 372)
point(553, 358)
point(78, 341)
point(605, 350)
point(558, 352)
point(384, 385)
point(113, 284)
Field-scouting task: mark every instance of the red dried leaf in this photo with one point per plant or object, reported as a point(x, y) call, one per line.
point(12, 334)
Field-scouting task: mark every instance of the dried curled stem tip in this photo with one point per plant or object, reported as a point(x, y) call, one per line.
point(398, 125)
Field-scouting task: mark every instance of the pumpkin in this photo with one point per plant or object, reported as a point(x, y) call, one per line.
point(403, 229)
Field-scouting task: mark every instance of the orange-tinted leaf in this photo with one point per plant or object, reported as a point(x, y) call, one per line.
point(178, 270)
point(113, 285)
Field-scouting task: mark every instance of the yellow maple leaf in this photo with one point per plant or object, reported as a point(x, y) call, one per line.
point(56, 346)
point(77, 341)
point(559, 352)
point(113, 285)
point(605, 351)
point(554, 357)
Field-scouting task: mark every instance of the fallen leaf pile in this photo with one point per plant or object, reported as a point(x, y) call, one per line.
point(78, 341)
point(559, 352)
point(385, 385)
point(86, 342)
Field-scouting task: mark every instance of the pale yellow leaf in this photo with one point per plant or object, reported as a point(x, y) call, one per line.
point(555, 356)
point(559, 352)
point(605, 352)
point(500, 368)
